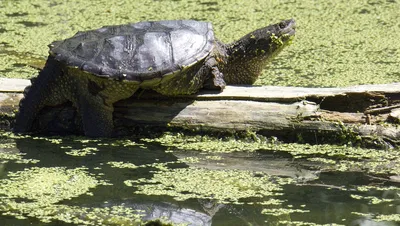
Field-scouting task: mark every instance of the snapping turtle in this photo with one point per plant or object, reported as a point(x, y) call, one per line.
point(96, 68)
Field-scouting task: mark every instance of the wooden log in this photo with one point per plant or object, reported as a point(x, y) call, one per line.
point(8, 85)
point(366, 112)
point(11, 93)
point(234, 115)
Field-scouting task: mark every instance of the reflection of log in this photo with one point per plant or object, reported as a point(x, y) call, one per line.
point(351, 113)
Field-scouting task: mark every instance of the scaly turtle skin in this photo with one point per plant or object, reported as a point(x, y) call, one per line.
point(96, 68)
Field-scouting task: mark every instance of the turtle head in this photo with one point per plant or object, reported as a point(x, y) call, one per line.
point(268, 41)
point(249, 55)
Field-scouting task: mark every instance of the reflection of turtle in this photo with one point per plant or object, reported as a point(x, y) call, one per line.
point(96, 68)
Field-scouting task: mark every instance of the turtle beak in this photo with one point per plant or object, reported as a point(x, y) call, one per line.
point(288, 27)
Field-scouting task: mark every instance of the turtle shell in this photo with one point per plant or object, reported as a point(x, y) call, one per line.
point(139, 51)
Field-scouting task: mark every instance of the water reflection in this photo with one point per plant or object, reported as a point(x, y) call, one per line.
point(369, 222)
point(174, 212)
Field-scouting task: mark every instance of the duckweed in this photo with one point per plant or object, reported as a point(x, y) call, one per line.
point(63, 187)
point(282, 211)
point(83, 151)
point(114, 215)
point(47, 185)
point(334, 157)
point(122, 165)
point(36, 192)
point(6, 156)
point(302, 223)
point(227, 186)
point(341, 44)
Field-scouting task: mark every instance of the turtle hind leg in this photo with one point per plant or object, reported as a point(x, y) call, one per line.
point(38, 95)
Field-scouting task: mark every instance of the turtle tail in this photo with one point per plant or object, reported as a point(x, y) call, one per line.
point(37, 95)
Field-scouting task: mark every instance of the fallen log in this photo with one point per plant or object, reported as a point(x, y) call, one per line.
point(352, 114)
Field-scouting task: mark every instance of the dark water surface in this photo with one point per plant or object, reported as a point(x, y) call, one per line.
point(292, 191)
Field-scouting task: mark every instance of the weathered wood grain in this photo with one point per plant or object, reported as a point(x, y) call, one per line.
point(217, 115)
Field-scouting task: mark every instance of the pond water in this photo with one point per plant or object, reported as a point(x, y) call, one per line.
point(74, 181)
point(199, 180)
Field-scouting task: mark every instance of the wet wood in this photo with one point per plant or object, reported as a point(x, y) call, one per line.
point(366, 112)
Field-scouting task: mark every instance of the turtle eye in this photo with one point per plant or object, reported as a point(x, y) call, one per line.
point(282, 25)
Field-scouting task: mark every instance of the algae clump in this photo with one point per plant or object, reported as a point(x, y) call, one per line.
point(47, 185)
point(226, 186)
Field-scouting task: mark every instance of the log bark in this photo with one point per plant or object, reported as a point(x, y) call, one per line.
point(351, 114)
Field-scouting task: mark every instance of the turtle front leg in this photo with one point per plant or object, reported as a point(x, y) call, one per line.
point(216, 80)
